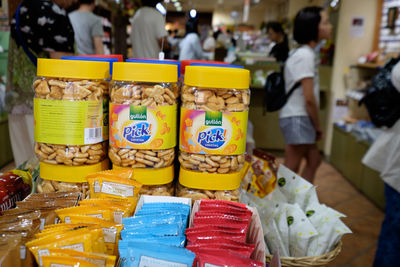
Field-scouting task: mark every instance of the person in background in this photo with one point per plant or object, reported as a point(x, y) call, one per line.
point(190, 46)
point(148, 34)
point(88, 29)
point(209, 45)
point(299, 117)
point(44, 30)
point(280, 51)
point(384, 157)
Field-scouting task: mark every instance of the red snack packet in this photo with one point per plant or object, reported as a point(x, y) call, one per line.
point(207, 203)
point(15, 185)
point(223, 243)
point(222, 258)
point(240, 215)
point(221, 220)
point(193, 237)
point(227, 228)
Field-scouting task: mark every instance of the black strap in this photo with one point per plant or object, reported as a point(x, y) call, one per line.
point(295, 86)
point(28, 52)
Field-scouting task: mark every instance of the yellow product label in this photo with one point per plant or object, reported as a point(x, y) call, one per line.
point(101, 213)
point(101, 260)
point(111, 231)
point(68, 122)
point(66, 261)
point(213, 132)
point(118, 211)
point(143, 127)
point(106, 186)
point(101, 202)
point(81, 240)
point(259, 180)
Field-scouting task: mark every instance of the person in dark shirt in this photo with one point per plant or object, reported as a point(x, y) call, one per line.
point(276, 34)
point(40, 28)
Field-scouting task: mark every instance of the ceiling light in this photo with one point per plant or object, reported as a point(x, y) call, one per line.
point(161, 8)
point(177, 4)
point(173, 1)
point(193, 13)
point(179, 9)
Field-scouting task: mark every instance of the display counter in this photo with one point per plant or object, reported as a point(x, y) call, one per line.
point(346, 156)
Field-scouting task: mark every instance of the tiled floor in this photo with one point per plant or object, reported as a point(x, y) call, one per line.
point(363, 217)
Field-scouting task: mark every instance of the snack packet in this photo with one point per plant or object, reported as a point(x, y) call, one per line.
point(195, 236)
point(98, 259)
point(134, 254)
point(116, 184)
point(121, 208)
point(294, 187)
point(93, 211)
point(301, 231)
point(165, 229)
point(10, 253)
point(111, 230)
point(219, 257)
point(54, 260)
point(15, 185)
point(330, 229)
point(177, 241)
point(232, 246)
point(88, 239)
point(260, 178)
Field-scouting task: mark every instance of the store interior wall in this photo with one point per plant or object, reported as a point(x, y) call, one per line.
point(348, 49)
point(295, 5)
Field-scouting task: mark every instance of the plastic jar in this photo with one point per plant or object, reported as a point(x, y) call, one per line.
point(143, 117)
point(213, 126)
point(71, 140)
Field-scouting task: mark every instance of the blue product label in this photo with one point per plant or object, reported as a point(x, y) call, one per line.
point(212, 138)
point(137, 132)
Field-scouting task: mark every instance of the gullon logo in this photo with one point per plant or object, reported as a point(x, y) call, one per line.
point(137, 133)
point(212, 138)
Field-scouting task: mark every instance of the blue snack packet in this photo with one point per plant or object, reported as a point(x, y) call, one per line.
point(136, 254)
point(177, 241)
point(155, 230)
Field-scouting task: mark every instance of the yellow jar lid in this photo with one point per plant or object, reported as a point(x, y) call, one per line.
point(152, 176)
point(74, 69)
point(70, 174)
point(217, 77)
point(210, 181)
point(145, 72)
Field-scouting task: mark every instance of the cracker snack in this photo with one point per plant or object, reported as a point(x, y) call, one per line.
point(71, 125)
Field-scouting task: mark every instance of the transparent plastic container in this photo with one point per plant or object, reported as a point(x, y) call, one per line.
point(197, 194)
point(214, 113)
point(143, 112)
point(70, 135)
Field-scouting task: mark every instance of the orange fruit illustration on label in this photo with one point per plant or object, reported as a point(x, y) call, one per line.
point(230, 149)
point(156, 143)
point(161, 115)
point(124, 143)
point(189, 122)
point(235, 121)
point(197, 149)
point(165, 129)
point(118, 143)
point(187, 136)
point(114, 117)
point(239, 135)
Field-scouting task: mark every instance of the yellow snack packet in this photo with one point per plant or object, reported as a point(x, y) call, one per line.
point(260, 179)
point(101, 213)
point(65, 261)
point(107, 185)
point(64, 227)
point(85, 239)
point(98, 259)
point(111, 231)
point(119, 211)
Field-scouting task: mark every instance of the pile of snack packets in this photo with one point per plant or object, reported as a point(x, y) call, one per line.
point(218, 235)
point(294, 222)
point(155, 235)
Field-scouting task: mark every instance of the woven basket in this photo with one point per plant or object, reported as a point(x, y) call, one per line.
point(310, 260)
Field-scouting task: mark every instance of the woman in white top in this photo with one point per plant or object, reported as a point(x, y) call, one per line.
point(299, 117)
point(190, 46)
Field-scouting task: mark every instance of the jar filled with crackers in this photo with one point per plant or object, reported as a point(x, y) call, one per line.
point(143, 119)
point(213, 127)
point(70, 134)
